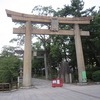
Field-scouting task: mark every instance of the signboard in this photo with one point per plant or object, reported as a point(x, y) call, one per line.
point(84, 76)
point(54, 25)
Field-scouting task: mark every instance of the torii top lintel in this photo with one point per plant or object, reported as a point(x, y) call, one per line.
point(21, 17)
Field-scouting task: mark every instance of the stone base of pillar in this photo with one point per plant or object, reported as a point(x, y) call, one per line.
point(82, 83)
point(67, 79)
point(30, 87)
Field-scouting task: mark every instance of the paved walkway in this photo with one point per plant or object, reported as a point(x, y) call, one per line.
point(44, 91)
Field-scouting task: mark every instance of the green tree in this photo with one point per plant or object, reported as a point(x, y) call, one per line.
point(90, 44)
point(9, 68)
point(94, 40)
point(76, 9)
point(9, 65)
point(43, 10)
point(8, 51)
point(44, 39)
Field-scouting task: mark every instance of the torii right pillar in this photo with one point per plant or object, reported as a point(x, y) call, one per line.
point(79, 54)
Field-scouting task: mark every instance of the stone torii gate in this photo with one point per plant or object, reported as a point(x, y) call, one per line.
point(54, 22)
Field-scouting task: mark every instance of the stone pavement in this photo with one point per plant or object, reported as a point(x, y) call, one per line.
point(43, 90)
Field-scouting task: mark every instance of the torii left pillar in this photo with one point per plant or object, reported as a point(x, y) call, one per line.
point(27, 81)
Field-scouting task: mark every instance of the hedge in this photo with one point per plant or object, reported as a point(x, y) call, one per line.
point(96, 76)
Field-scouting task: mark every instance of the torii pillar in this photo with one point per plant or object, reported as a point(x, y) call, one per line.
point(27, 81)
point(79, 55)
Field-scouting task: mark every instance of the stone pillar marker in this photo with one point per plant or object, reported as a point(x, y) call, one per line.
point(79, 54)
point(27, 81)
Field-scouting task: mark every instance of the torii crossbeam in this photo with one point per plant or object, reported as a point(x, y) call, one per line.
point(54, 22)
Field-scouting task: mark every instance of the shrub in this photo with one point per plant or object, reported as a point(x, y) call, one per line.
point(96, 76)
point(89, 75)
point(9, 67)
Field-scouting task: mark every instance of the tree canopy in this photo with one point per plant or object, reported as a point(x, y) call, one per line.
point(9, 66)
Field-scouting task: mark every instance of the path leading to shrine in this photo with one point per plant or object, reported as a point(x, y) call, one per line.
point(43, 90)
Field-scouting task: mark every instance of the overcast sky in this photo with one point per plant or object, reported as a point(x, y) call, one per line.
point(26, 6)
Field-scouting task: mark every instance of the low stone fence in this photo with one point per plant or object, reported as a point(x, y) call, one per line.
point(5, 86)
point(8, 86)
